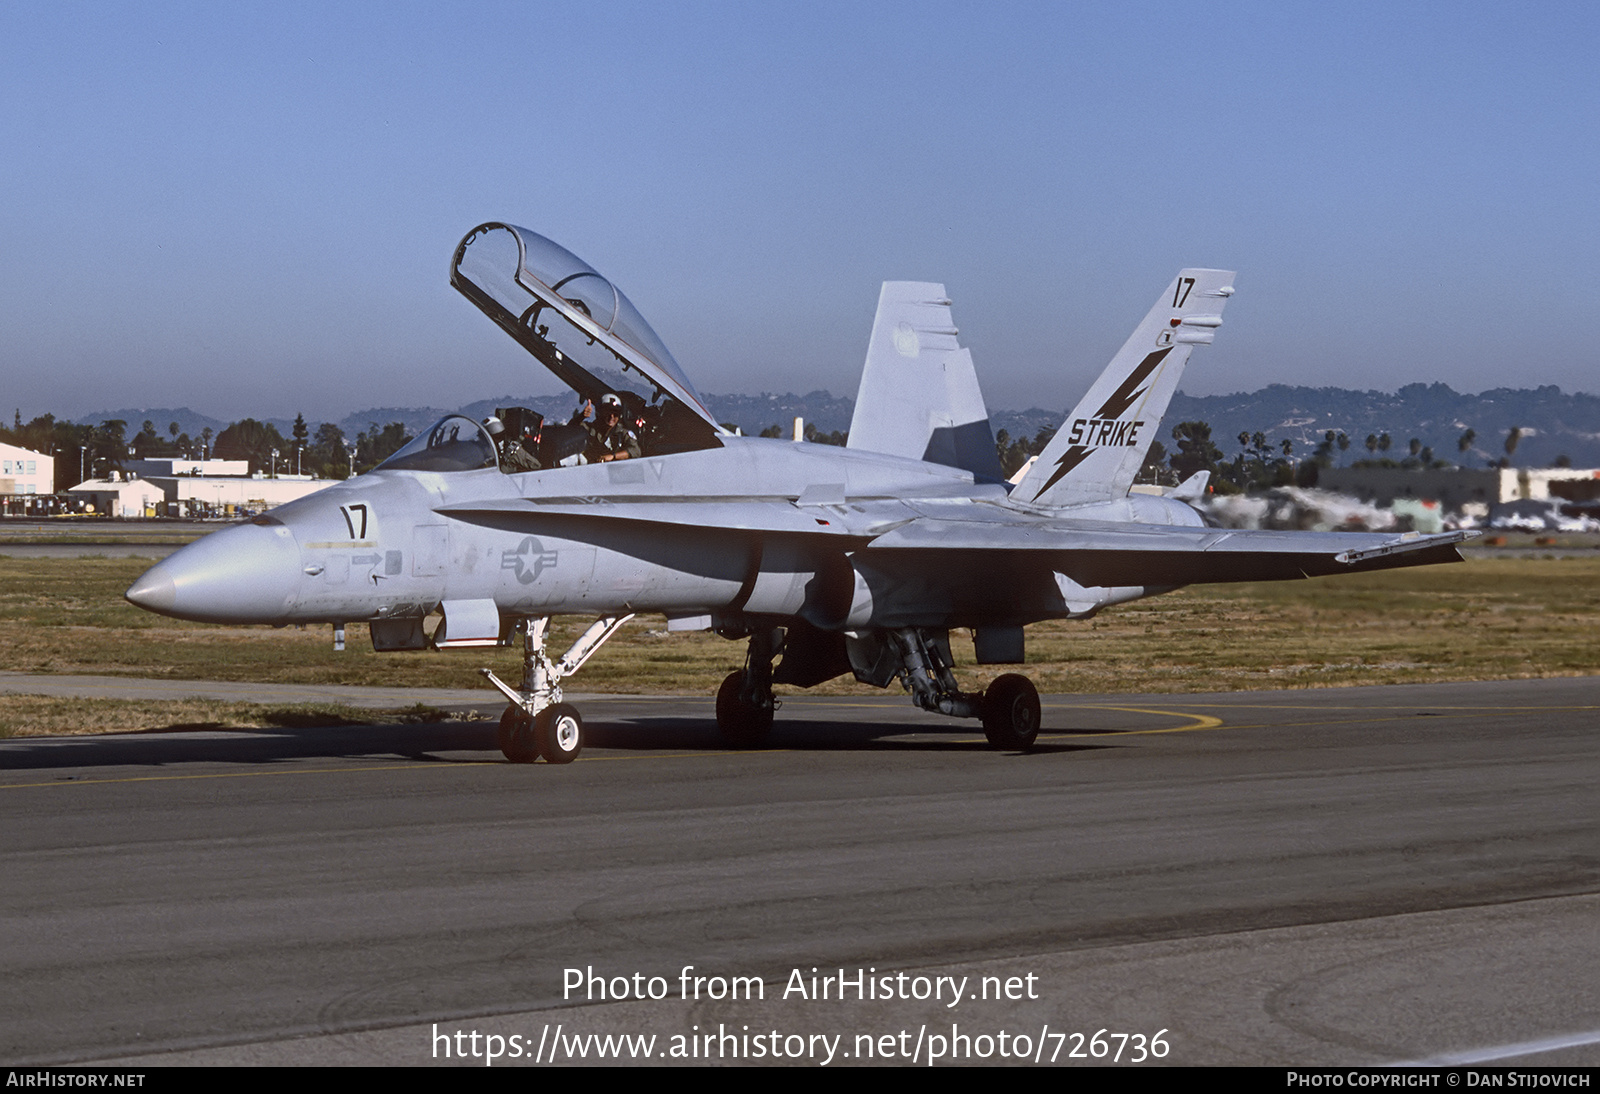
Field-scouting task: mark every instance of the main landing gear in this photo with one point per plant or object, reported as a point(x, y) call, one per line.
point(1010, 713)
point(919, 658)
point(538, 723)
point(1009, 709)
point(745, 703)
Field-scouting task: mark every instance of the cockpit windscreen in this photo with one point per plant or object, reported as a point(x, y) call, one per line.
point(453, 443)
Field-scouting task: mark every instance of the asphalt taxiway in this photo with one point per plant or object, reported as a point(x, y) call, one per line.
point(1341, 876)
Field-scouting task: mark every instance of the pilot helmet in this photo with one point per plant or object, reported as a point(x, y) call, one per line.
point(495, 426)
point(610, 401)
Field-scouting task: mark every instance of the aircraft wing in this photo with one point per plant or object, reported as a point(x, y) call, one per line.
point(1106, 553)
point(1097, 552)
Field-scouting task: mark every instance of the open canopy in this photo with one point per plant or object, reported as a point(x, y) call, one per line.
point(564, 313)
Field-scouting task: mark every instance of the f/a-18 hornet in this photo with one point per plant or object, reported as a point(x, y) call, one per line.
point(827, 560)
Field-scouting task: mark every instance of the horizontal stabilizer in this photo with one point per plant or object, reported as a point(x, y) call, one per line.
point(1194, 487)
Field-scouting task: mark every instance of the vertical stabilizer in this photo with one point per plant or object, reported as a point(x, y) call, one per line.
point(919, 394)
point(1099, 449)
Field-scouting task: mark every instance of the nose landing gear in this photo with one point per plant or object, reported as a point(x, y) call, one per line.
point(538, 723)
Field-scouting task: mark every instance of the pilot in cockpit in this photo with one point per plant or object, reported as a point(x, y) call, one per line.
point(609, 438)
point(514, 457)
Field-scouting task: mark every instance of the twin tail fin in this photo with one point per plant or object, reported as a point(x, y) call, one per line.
point(1099, 450)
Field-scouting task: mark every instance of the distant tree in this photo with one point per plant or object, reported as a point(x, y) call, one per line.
point(816, 436)
point(1322, 456)
point(148, 443)
point(329, 457)
point(1416, 446)
point(1384, 443)
point(1261, 463)
point(1154, 470)
point(777, 431)
point(109, 447)
point(1196, 451)
point(248, 439)
point(1014, 453)
point(374, 445)
point(1512, 438)
point(1562, 460)
point(1372, 443)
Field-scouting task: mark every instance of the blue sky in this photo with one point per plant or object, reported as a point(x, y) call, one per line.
point(250, 209)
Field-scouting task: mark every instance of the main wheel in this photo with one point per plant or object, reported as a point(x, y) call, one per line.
point(558, 734)
point(742, 723)
point(1011, 713)
point(515, 736)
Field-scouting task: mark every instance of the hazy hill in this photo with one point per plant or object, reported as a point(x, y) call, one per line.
point(1553, 422)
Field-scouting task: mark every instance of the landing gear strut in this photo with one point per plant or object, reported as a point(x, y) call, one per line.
point(928, 673)
point(745, 703)
point(1009, 709)
point(538, 723)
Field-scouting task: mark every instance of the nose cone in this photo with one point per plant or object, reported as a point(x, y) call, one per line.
point(245, 574)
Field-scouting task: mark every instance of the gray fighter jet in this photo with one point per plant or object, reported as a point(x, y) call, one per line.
point(828, 561)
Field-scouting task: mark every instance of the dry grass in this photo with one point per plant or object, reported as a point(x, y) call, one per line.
point(1483, 619)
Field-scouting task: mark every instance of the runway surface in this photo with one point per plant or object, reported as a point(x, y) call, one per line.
point(1316, 877)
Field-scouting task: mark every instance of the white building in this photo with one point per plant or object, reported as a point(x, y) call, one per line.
point(119, 497)
point(194, 496)
point(24, 471)
point(1457, 488)
point(162, 468)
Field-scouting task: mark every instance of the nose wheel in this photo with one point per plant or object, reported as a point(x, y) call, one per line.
point(558, 733)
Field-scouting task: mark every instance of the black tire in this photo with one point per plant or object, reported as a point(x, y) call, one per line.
point(558, 733)
point(743, 725)
point(515, 736)
point(1011, 713)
